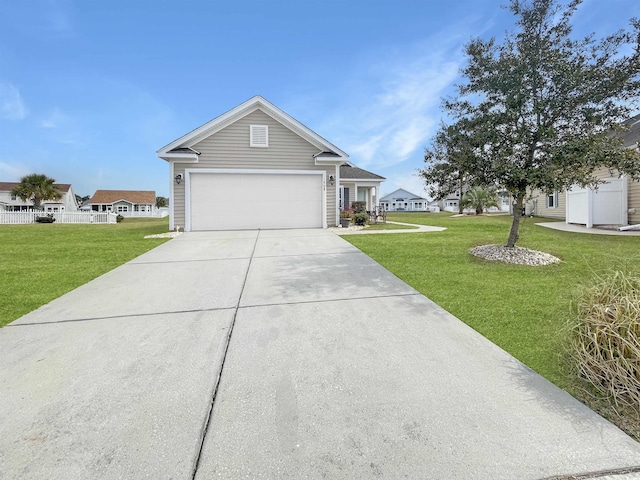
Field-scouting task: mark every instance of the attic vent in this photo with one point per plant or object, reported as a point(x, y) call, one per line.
point(259, 135)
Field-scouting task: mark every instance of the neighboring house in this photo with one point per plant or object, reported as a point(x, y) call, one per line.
point(254, 167)
point(11, 203)
point(451, 203)
point(616, 202)
point(357, 184)
point(128, 203)
point(403, 200)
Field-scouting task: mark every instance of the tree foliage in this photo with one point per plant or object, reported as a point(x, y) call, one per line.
point(480, 199)
point(538, 110)
point(37, 188)
point(161, 202)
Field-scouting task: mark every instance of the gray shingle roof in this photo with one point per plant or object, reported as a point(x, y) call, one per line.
point(347, 171)
point(632, 137)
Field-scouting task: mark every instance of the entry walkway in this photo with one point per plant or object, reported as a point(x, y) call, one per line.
point(277, 354)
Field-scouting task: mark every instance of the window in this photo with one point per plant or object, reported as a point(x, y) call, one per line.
point(259, 136)
point(122, 208)
point(552, 200)
point(13, 197)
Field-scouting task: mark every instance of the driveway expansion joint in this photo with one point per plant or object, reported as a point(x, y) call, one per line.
point(619, 473)
point(332, 300)
point(114, 317)
point(223, 357)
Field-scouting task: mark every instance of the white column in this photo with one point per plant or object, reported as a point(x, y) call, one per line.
point(589, 208)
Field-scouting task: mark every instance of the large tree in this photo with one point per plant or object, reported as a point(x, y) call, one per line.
point(37, 188)
point(450, 162)
point(541, 107)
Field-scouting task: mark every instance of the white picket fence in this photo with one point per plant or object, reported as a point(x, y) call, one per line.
point(61, 217)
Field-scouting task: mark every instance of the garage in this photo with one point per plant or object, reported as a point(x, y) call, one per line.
point(248, 200)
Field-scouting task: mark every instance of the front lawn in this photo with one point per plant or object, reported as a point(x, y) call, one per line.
point(522, 309)
point(41, 262)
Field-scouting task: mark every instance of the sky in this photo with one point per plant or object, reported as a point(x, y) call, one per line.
point(89, 91)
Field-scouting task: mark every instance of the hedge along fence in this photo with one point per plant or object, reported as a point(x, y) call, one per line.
point(605, 342)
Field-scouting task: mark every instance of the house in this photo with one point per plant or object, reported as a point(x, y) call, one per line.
point(615, 202)
point(128, 203)
point(11, 203)
point(357, 184)
point(404, 201)
point(254, 167)
point(451, 203)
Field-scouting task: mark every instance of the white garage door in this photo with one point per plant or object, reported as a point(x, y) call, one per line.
point(244, 201)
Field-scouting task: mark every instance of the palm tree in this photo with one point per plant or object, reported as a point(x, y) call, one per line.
point(479, 199)
point(37, 188)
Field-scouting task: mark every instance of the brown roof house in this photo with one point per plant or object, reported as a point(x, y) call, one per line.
point(11, 203)
point(128, 203)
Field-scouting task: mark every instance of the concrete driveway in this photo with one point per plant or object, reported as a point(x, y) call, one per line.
point(328, 365)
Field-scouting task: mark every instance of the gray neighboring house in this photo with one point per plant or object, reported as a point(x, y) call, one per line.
point(404, 201)
point(128, 203)
point(357, 184)
point(254, 167)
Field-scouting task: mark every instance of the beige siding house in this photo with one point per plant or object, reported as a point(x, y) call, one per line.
point(358, 185)
point(128, 203)
point(615, 202)
point(253, 167)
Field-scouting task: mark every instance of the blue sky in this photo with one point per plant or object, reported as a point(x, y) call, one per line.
point(90, 90)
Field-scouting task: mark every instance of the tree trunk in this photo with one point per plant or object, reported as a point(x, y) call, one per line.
point(515, 225)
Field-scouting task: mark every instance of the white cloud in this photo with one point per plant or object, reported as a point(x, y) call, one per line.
point(13, 171)
point(393, 102)
point(54, 119)
point(402, 114)
point(12, 106)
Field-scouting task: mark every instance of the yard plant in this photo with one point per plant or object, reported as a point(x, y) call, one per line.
point(522, 309)
point(536, 110)
point(41, 262)
point(605, 343)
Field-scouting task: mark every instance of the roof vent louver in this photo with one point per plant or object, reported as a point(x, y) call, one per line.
point(258, 135)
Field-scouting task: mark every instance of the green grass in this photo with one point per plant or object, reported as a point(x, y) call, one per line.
point(520, 308)
point(40, 262)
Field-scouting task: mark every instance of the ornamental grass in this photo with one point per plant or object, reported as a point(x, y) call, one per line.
point(605, 337)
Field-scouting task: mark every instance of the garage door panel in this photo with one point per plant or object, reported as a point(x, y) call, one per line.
point(222, 201)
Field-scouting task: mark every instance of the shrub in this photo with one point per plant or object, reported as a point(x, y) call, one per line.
point(360, 218)
point(359, 206)
point(605, 340)
point(46, 219)
point(346, 213)
point(119, 218)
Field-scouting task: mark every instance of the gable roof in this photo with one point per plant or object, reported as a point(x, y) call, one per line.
point(181, 148)
point(8, 186)
point(631, 137)
point(140, 197)
point(402, 193)
point(348, 171)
